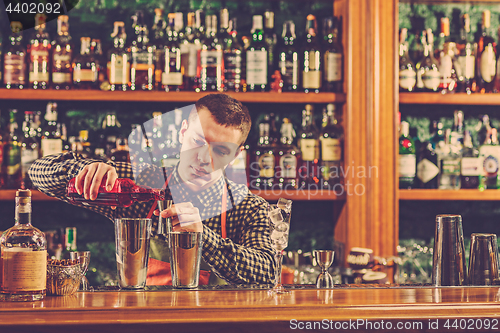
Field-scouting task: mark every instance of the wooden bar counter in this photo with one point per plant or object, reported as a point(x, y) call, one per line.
point(340, 309)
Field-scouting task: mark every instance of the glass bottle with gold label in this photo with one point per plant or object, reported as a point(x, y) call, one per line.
point(334, 55)
point(62, 56)
point(308, 142)
point(23, 260)
point(312, 62)
point(14, 59)
point(263, 163)
point(39, 55)
point(171, 77)
point(142, 57)
point(486, 57)
point(407, 74)
point(257, 58)
point(119, 60)
point(466, 58)
point(210, 72)
point(428, 75)
point(287, 155)
point(331, 140)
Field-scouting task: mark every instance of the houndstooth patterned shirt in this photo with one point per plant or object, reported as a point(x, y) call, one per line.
point(244, 256)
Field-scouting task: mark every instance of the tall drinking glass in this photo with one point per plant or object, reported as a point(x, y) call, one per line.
point(84, 257)
point(280, 219)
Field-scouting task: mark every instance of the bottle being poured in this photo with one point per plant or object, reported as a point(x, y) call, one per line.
point(123, 194)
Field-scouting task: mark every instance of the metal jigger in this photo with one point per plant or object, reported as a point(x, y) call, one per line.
point(324, 258)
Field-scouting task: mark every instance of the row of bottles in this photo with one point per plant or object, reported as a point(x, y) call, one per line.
point(203, 56)
point(452, 158)
point(305, 159)
point(469, 64)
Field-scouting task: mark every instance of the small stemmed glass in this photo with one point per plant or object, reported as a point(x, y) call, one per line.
point(324, 258)
point(280, 217)
point(84, 257)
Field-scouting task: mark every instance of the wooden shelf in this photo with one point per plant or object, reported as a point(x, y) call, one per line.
point(319, 195)
point(10, 195)
point(449, 99)
point(161, 96)
point(465, 194)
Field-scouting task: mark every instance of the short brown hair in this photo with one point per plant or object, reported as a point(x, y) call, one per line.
point(227, 111)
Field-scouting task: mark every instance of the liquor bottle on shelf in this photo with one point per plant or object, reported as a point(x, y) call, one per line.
point(62, 56)
point(109, 132)
point(85, 68)
point(123, 194)
point(210, 59)
point(257, 58)
point(334, 55)
point(142, 66)
point(171, 73)
point(122, 151)
point(51, 142)
point(470, 166)
point(287, 157)
point(270, 39)
point(428, 75)
point(447, 52)
point(23, 255)
point(449, 156)
point(485, 130)
point(119, 60)
point(312, 61)
point(486, 57)
point(233, 60)
point(427, 161)
point(489, 154)
point(83, 144)
point(443, 37)
point(30, 149)
point(39, 55)
point(407, 158)
point(12, 154)
point(466, 59)
point(417, 47)
point(407, 74)
point(458, 130)
point(96, 53)
point(308, 143)
point(69, 242)
point(158, 41)
point(14, 59)
point(288, 58)
point(190, 47)
point(331, 140)
point(262, 166)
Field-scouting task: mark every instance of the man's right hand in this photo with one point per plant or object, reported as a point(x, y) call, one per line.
point(91, 176)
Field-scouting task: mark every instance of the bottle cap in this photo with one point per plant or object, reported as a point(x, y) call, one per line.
point(486, 18)
point(23, 193)
point(330, 107)
point(16, 26)
point(256, 23)
point(269, 15)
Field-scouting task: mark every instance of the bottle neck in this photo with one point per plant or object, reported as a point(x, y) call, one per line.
point(23, 211)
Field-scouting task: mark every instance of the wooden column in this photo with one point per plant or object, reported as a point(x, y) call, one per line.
point(369, 120)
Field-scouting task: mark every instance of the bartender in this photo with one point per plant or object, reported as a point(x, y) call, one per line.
point(234, 222)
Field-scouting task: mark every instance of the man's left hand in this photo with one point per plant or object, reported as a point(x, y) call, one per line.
point(185, 217)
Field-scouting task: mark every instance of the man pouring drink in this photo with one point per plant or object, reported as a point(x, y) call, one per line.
point(234, 222)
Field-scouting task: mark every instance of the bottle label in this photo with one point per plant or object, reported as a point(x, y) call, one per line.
point(143, 58)
point(331, 149)
point(426, 170)
point(210, 58)
point(465, 66)
point(24, 269)
point(266, 165)
point(407, 165)
point(51, 146)
point(407, 78)
point(450, 167)
point(309, 149)
point(290, 71)
point(59, 78)
point(490, 166)
point(233, 63)
point(119, 69)
point(311, 79)
point(39, 77)
point(257, 67)
point(488, 64)
point(173, 79)
point(471, 166)
point(431, 79)
point(85, 75)
point(288, 166)
point(334, 66)
point(14, 69)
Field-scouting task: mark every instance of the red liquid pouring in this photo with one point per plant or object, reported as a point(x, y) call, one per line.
point(123, 194)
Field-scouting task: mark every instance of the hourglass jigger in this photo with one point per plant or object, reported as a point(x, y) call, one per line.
point(324, 258)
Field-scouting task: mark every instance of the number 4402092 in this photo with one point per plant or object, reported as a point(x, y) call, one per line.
point(472, 324)
point(34, 8)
